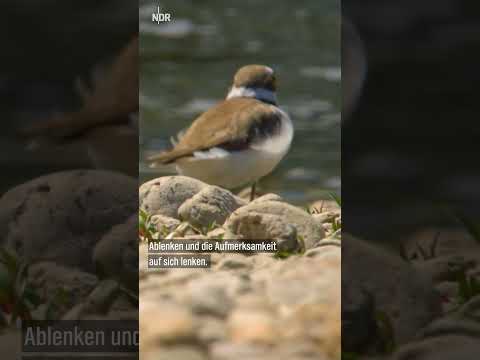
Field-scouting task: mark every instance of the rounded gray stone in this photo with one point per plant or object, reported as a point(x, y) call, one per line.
point(61, 217)
point(116, 255)
point(164, 223)
point(164, 195)
point(211, 205)
point(309, 230)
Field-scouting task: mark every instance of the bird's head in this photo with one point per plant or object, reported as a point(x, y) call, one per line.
point(255, 81)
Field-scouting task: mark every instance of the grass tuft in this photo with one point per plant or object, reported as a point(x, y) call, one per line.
point(146, 230)
point(17, 296)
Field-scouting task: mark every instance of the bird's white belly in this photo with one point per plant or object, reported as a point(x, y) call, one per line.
point(237, 168)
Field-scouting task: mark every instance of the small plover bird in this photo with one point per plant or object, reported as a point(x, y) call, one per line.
point(239, 140)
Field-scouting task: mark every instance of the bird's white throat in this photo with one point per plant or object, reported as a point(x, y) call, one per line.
point(256, 93)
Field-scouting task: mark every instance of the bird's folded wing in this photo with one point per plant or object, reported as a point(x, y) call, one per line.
point(231, 125)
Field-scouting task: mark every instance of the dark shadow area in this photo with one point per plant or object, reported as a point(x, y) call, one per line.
point(69, 158)
point(410, 179)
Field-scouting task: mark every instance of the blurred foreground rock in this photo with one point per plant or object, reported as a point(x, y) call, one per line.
point(62, 216)
point(76, 235)
point(422, 302)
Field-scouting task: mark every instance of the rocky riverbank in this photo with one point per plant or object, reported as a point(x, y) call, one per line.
point(73, 248)
point(74, 239)
point(257, 306)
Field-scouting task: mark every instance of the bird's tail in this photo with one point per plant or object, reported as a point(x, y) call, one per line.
point(167, 157)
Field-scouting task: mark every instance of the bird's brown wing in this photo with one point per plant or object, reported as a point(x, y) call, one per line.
point(232, 124)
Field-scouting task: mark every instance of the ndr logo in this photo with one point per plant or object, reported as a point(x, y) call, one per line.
point(159, 17)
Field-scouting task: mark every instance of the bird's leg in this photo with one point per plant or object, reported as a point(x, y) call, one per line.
point(253, 190)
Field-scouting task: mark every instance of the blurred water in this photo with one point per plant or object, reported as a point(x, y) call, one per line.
point(188, 64)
